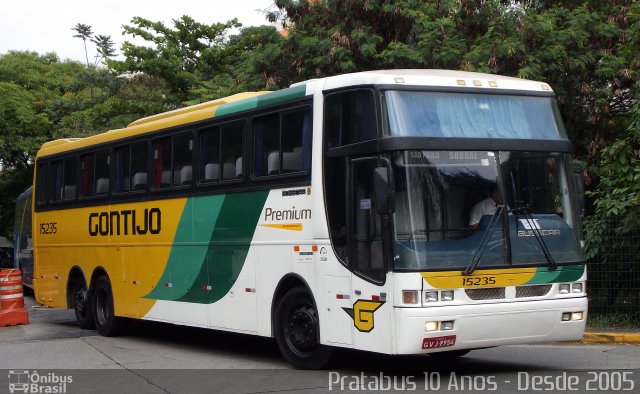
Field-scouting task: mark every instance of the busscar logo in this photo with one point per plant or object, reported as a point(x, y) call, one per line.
point(21, 381)
point(362, 314)
point(531, 227)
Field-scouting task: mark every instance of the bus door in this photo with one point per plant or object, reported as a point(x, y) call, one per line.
point(369, 250)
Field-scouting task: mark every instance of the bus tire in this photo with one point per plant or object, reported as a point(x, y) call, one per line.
point(450, 355)
point(297, 331)
point(82, 308)
point(106, 322)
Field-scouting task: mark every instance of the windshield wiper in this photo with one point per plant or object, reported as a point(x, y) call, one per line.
point(526, 212)
point(475, 260)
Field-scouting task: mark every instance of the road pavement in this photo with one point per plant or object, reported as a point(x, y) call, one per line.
point(162, 358)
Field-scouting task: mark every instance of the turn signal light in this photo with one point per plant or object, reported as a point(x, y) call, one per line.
point(410, 296)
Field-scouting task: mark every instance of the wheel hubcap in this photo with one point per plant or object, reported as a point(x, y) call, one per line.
point(301, 331)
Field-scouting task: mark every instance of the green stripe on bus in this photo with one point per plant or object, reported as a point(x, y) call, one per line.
point(569, 273)
point(264, 100)
point(229, 247)
point(190, 247)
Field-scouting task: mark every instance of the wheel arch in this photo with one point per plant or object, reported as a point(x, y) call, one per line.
point(98, 272)
point(287, 283)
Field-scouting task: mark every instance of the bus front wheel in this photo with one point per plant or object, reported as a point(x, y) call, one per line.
point(298, 331)
point(106, 322)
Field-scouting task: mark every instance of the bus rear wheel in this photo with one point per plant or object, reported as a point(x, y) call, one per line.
point(82, 308)
point(298, 331)
point(106, 322)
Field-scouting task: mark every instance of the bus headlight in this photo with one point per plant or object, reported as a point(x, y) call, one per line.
point(430, 296)
point(446, 295)
point(564, 288)
point(576, 288)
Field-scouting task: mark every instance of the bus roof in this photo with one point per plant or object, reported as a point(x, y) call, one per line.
point(249, 100)
point(435, 78)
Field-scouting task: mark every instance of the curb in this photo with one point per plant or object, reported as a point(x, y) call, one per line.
point(611, 337)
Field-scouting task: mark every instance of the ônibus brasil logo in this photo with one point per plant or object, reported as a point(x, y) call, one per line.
point(21, 381)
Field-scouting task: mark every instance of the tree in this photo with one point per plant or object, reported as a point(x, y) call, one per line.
point(183, 57)
point(104, 48)
point(85, 33)
point(42, 98)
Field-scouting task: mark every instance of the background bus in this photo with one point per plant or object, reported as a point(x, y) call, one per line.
point(6, 253)
point(22, 239)
point(334, 213)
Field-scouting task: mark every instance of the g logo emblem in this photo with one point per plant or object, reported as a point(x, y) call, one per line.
point(362, 314)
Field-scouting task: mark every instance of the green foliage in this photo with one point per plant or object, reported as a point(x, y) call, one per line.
point(617, 198)
point(42, 99)
point(183, 57)
point(22, 128)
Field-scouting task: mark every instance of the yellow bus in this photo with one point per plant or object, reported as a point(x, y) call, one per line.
point(400, 212)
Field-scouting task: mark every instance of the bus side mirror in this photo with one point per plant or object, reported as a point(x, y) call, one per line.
point(578, 178)
point(383, 192)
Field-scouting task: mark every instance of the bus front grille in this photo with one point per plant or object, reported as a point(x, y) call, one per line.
point(493, 293)
point(532, 291)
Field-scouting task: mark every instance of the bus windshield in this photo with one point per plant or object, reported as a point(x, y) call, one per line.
point(466, 115)
point(446, 203)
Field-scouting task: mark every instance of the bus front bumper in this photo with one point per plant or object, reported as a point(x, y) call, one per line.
point(487, 325)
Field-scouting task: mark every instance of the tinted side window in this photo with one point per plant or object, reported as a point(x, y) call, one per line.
point(282, 143)
point(41, 188)
point(182, 155)
point(221, 150)
point(122, 169)
point(103, 162)
point(69, 183)
point(210, 155)
point(232, 147)
point(87, 175)
point(267, 142)
point(138, 173)
point(350, 117)
point(162, 163)
point(56, 175)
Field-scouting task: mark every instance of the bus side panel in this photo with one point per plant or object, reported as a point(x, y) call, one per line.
point(131, 242)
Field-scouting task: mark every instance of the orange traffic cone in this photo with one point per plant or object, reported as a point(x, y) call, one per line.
point(12, 310)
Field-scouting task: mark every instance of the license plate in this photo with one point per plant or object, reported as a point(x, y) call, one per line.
point(433, 343)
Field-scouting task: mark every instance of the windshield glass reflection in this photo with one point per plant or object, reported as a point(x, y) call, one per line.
point(445, 201)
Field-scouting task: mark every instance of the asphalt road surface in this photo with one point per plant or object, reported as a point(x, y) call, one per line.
point(52, 354)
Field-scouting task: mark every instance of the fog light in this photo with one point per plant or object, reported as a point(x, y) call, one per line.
point(446, 325)
point(431, 326)
point(410, 296)
point(577, 316)
point(446, 295)
point(564, 288)
point(576, 287)
point(566, 316)
point(431, 296)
